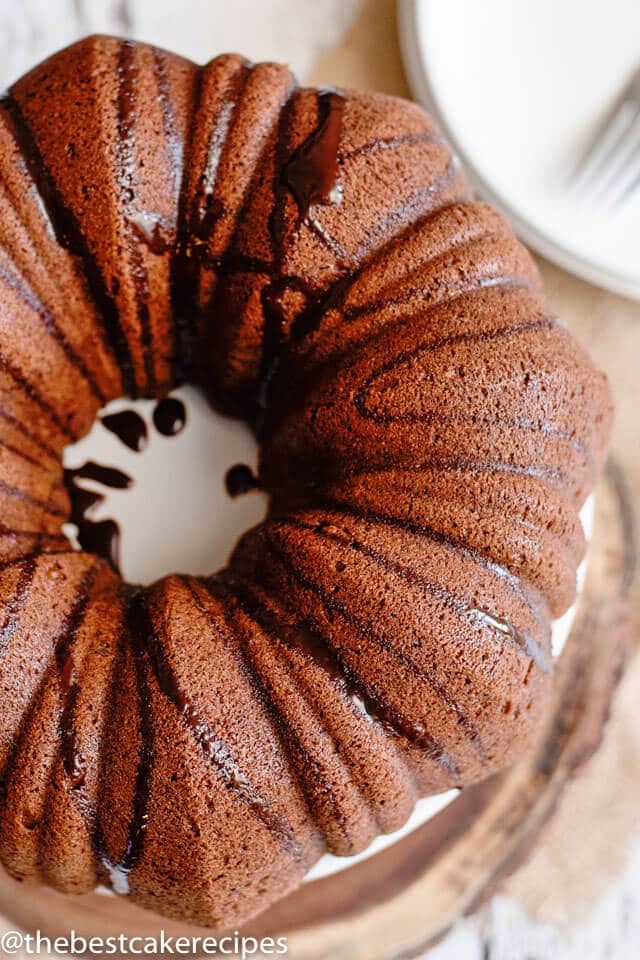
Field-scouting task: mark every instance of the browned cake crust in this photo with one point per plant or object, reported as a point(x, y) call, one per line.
point(428, 434)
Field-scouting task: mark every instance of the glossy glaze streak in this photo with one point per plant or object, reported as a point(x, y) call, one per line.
point(169, 416)
point(100, 537)
point(240, 479)
point(314, 260)
point(312, 173)
point(129, 427)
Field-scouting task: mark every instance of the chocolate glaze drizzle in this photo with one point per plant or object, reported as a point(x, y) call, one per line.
point(109, 476)
point(370, 703)
point(68, 231)
point(126, 153)
point(311, 175)
point(368, 630)
point(140, 629)
point(212, 744)
point(240, 479)
point(101, 537)
point(129, 428)
point(136, 632)
point(169, 416)
point(312, 172)
point(229, 591)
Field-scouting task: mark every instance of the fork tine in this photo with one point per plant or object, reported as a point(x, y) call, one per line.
point(620, 163)
point(628, 183)
point(604, 146)
point(607, 168)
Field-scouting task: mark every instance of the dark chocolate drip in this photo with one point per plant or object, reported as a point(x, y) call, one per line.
point(109, 476)
point(241, 479)
point(309, 319)
point(126, 151)
point(74, 762)
point(61, 645)
point(101, 537)
point(279, 330)
point(198, 219)
point(366, 699)
point(312, 171)
point(418, 207)
point(315, 783)
point(20, 286)
point(169, 416)
point(274, 337)
point(82, 501)
point(332, 603)
point(129, 428)
point(30, 391)
point(182, 268)
point(138, 622)
point(525, 641)
point(67, 675)
point(212, 210)
point(311, 174)
point(118, 870)
point(177, 150)
point(213, 745)
point(315, 172)
point(69, 234)
point(361, 400)
point(207, 207)
point(273, 294)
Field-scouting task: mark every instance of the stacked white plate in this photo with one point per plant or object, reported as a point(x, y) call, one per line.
point(519, 88)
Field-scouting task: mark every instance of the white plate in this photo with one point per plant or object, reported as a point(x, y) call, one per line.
point(518, 86)
point(177, 516)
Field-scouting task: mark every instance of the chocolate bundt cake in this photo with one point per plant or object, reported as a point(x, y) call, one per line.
point(315, 261)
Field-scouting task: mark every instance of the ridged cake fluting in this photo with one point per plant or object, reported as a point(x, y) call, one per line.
point(429, 432)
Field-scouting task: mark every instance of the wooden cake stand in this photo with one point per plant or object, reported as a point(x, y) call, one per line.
point(397, 902)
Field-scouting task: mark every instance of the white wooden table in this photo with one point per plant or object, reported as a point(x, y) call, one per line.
point(585, 891)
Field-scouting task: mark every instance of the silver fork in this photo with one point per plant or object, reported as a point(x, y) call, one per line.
point(609, 170)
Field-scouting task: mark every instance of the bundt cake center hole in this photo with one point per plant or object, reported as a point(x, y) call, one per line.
point(163, 494)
